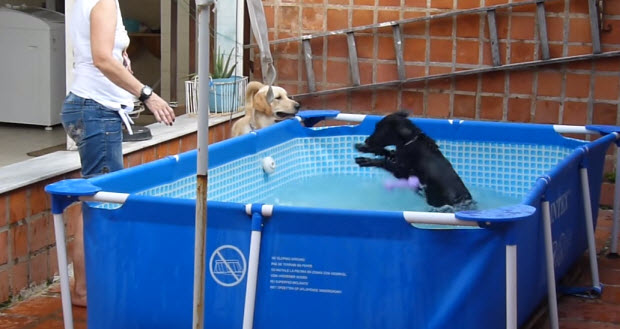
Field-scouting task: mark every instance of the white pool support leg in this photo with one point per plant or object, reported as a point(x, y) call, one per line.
point(551, 292)
point(61, 250)
point(587, 206)
point(250, 290)
point(252, 279)
point(615, 229)
point(511, 287)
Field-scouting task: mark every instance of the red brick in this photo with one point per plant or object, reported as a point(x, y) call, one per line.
point(467, 4)
point(579, 50)
point(464, 106)
point(337, 19)
point(39, 200)
point(606, 199)
point(547, 112)
point(579, 30)
point(4, 248)
point(438, 105)
point(337, 101)
point(521, 82)
point(612, 35)
point(491, 108)
point(366, 73)
point(361, 101)
point(4, 210)
point(519, 109)
point(549, 83)
point(19, 277)
point(522, 28)
point(17, 205)
point(5, 288)
point(581, 7)
point(467, 83)
point(606, 87)
point(288, 19)
point(611, 294)
point(338, 2)
point(365, 46)
point(493, 82)
point(40, 230)
point(19, 236)
point(288, 69)
point(336, 47)
point(575, 113)
point(468, 26)
point(521, 52)
point(52, 261)
point(362, 17)
point(133, 159)
point(556, 51)
point(555, 7)
point(387, 72)
point(173, 147)
point(441, 27)
point(577, 85)
point(291, 48)
point(413, 101)
point(414, 50)
point(441, 50)
point(604, 114)
point(441, 4)
point(386, 100)
point(414, 29)
point(338, 72)
point(415, 71)
point(415, 3)
point(392, 3)
point(148, 154)
point(386, 48)
point(189, 142)
point(441, 84)
point(487, 57)
point(467, 52)
point(555, 28)
point(38, 268)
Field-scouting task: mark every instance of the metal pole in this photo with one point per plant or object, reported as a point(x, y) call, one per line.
point(552, 297)
point(203, 9)
point(511, 287)
point(61, 250)
point(587, 206)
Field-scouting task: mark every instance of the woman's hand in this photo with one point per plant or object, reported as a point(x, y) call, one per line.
point(162, 111)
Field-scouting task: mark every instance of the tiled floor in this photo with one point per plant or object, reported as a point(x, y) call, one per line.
point(44, 310)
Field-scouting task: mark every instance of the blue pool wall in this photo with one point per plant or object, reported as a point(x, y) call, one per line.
point(140, 261)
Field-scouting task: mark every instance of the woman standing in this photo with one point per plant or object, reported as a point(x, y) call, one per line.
point(102, 91)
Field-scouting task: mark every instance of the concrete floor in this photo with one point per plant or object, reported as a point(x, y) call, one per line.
point(16, 141)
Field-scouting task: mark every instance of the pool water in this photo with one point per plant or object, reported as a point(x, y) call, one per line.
point(366, 193)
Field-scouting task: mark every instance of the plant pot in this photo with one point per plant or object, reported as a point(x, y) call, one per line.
point(226, 94)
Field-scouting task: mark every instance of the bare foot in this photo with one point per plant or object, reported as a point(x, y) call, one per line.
point(78, 299)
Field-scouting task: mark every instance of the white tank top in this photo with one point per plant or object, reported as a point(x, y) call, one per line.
point(88, 81)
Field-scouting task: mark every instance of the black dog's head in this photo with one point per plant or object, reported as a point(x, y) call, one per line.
point(394, 129)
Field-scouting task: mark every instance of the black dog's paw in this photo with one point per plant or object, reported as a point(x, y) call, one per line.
point(368, 162)
point(362, 147)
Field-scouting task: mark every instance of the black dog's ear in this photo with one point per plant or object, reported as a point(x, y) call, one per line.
point(402, 113)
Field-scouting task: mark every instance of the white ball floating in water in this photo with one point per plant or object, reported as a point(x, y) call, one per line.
point(269, 165)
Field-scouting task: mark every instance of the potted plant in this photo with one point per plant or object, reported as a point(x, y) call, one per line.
point(226, 91)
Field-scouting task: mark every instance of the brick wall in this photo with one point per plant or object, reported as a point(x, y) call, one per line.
point(577, 93)
point(27, 243)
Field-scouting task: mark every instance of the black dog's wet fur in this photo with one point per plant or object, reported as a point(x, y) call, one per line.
point(416, 154)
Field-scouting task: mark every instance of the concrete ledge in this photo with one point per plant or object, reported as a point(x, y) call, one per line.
point(50, 165)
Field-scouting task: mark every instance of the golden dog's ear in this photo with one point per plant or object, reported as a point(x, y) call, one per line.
point(261, 104)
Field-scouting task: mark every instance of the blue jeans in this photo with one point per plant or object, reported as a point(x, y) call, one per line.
point(97, 132)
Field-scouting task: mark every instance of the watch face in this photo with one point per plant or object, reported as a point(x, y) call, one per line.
point(147, 90)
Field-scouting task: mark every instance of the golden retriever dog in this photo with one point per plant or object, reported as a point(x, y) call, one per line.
point(261, 110)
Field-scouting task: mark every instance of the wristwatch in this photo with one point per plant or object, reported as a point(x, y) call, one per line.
point(145, 93)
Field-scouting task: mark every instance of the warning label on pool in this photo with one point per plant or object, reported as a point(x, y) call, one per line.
point(298, 274)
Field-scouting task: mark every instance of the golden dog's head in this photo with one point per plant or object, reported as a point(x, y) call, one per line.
point(276, 105)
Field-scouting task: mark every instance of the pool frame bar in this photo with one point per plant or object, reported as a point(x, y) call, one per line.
point(64, 193)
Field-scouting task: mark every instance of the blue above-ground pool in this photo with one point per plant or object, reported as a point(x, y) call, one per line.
point(336, 267)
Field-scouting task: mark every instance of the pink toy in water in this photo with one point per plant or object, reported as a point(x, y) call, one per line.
point(412, 182)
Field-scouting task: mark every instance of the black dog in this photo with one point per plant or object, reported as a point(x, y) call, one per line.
point(416, 154)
